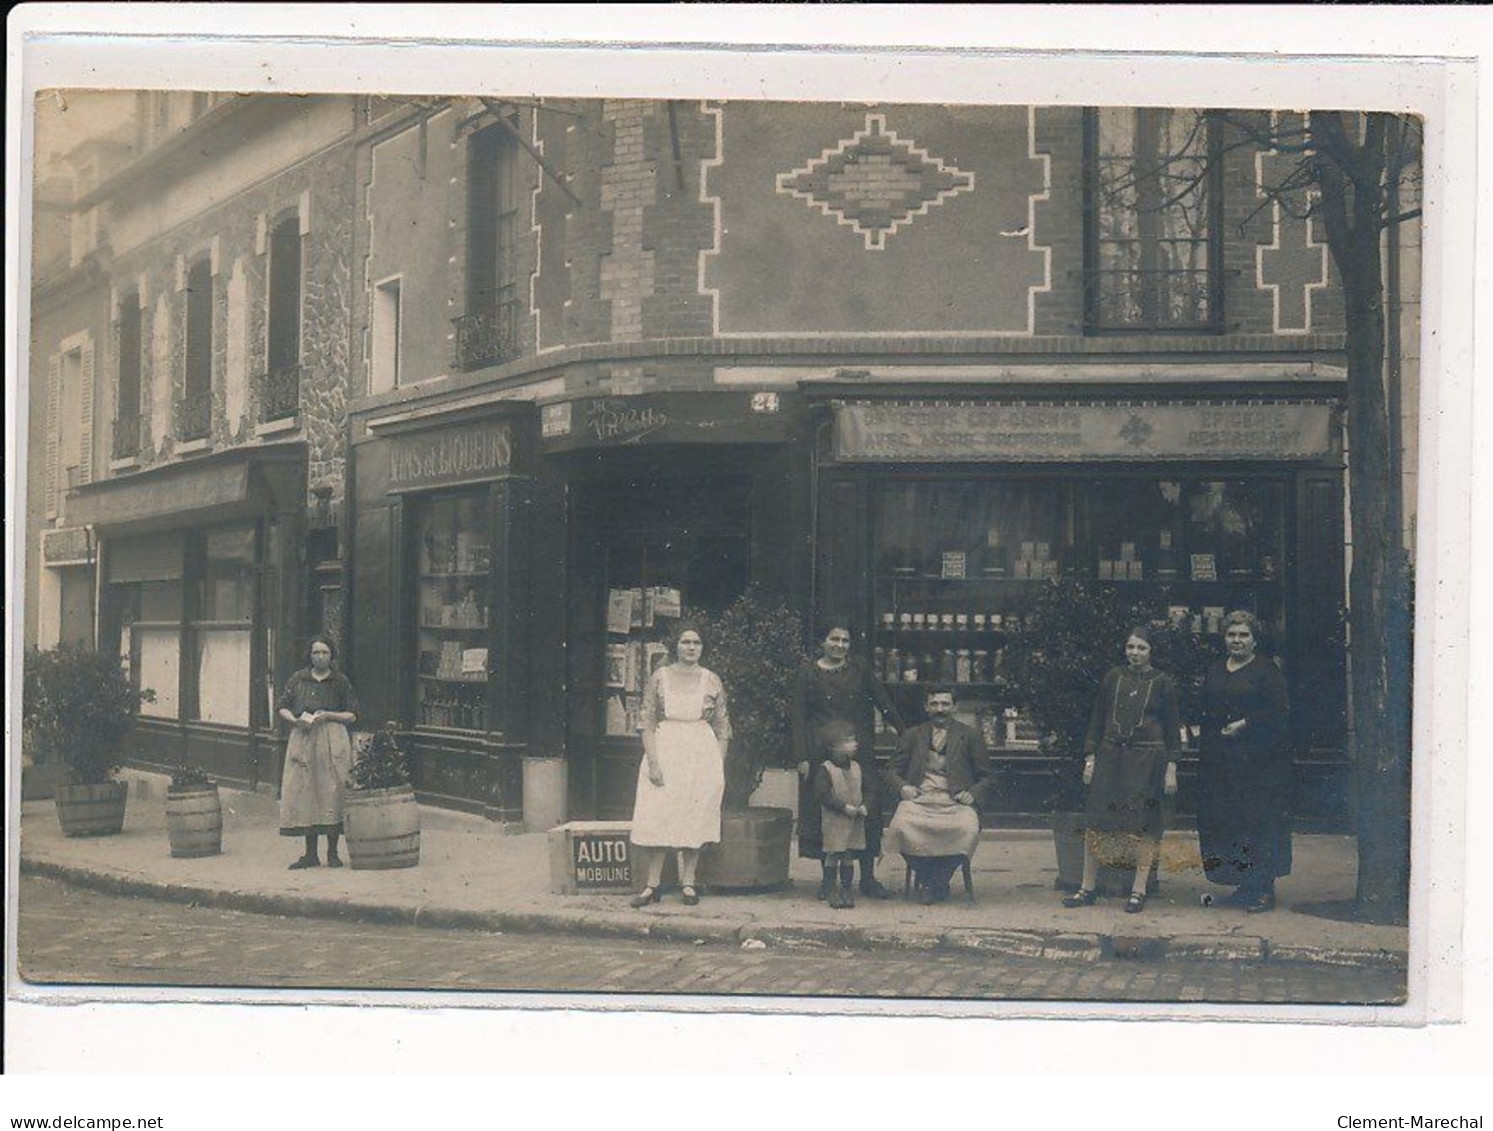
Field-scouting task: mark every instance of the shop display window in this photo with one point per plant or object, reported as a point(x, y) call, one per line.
point(958, 562)
point(452, 615)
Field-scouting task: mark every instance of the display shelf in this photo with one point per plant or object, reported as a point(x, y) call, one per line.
point(465, 681)
point(448, 575)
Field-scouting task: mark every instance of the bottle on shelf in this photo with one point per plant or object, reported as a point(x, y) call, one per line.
point(963, 666)
point(910, 668)
point(948, 669)
point(893, 671)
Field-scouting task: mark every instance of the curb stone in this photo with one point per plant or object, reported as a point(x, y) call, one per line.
point(1073, 948)
point(1012, 944)
point(733, 931)
point(1224, 948)
point(1334, 956)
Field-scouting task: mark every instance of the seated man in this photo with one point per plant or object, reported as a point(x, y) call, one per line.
point(939, 773)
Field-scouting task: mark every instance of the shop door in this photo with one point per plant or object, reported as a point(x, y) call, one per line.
point(643, 551)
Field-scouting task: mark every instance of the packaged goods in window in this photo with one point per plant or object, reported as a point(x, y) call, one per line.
point(1178, 614)
point(1204, 567)
point(667, 602)
point(632, 709)
point(473, 663)
point(953, 564)
point(634, 669)
point(429, 662)
point(469, 613)
point(619, 611)
point(616, 717)
point(450, 659)
point(637, 609)
point(657, 656)
point(616, 666)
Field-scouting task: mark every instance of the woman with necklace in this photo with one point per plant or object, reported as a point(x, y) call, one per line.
point(318, 703)
point(1245, 770)
point(682, 779)
point(1130, 763)
point(838, 686)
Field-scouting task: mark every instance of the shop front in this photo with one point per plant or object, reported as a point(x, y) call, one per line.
point(200, 597)
point(672, 502)
point(941, 518)
point(439, 625)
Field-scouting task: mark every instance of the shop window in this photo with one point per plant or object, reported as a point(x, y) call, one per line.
point(143, 615)
point(280, 389)
point(194, 409)
point(487, 334)
point(127, 391)
point(223, 611)
point(1153, 195)
point(957, 564)
point(384, 337)
point(453, 623)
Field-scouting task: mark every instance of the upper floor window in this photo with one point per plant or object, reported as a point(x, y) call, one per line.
point(281, 392)
point(194, 410)
point(488, 333)
point(127, 394)
point(1152, 197)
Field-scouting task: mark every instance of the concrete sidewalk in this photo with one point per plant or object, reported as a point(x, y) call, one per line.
point(474, 875)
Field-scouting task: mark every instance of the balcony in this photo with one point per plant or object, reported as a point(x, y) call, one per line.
point(126, 443)
point(279, 393)
point(194, 413)
point(488, 337)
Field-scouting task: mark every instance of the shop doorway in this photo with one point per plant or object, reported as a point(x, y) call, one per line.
point(643, 550)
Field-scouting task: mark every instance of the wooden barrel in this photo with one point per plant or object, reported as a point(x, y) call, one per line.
point(194, 821)
point(753, 852)
point(382, 828)
point(91, 810)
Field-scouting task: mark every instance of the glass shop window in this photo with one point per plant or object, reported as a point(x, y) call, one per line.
point(453, 626)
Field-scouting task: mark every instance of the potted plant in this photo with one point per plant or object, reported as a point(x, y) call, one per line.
point(194, 813)
point(78, 707)
point(1073, 633)
point(382, 819)
point(756, 647)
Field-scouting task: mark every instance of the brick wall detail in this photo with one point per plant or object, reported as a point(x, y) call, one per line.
point(628, 187)
point(1293, 266)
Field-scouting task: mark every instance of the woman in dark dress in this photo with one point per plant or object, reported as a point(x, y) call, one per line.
point(318, 703)
point(1245, 770)
point(1130, 763)
point(839, 686)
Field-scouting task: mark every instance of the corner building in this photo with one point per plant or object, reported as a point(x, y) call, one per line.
point(902, 362)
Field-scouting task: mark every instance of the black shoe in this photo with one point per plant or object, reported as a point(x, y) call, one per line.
point(1136, 903)
point(925, 896)
point(644, 897)
point(333, 860)
point(825, 887)
point(875, 889)
point(1083, 897)
point(305, 862)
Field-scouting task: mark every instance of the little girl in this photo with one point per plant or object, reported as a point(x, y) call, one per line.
point(837, 785)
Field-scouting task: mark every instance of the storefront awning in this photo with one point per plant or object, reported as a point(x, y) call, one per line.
point(183, 494)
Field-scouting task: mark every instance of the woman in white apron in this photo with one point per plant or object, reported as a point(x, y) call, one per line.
point(682, 779)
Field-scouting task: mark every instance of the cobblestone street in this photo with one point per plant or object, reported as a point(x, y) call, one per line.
point(71, 935)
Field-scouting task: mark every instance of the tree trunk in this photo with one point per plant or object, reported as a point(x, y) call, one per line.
point(1377, 593)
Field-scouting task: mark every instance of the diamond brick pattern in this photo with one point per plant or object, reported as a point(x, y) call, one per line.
point(875, 182)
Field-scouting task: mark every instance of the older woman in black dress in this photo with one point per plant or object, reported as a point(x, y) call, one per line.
point(1245, 770)
point(318, 703)
point(837, 685)
point(1130, 763)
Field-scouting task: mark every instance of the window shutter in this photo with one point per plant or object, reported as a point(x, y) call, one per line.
point(54, 437)
point(85, 453)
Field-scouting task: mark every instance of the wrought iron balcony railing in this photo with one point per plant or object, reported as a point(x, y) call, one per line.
point(126, 437)
point(194, 416)
point(279, 393)
point(488, 337)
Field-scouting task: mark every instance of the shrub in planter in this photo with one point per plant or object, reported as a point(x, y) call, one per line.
point(382, 819)
point(79, 708)
point(756, 646)
point(194, 813)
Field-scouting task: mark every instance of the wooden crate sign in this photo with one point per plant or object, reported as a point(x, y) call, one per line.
point(601, 860)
